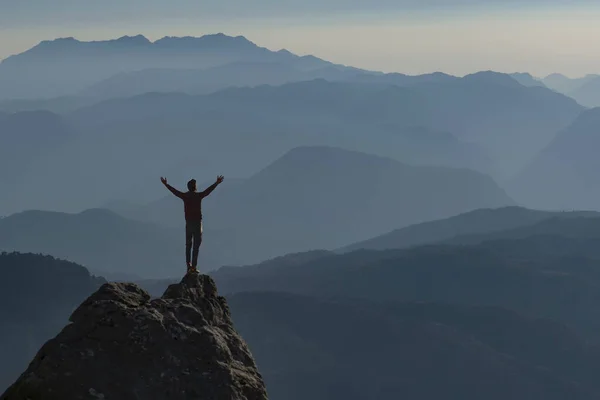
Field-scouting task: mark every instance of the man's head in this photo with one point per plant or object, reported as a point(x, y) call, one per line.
point(191, 185)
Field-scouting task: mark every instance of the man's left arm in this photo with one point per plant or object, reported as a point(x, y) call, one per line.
point(212, 187)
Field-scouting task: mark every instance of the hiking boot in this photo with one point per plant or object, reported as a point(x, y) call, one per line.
point(191, 269)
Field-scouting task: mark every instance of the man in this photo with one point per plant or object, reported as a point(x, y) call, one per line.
point(192, 204)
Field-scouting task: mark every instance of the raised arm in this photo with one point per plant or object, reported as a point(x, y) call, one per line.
point(171, 188)
point(212, 187)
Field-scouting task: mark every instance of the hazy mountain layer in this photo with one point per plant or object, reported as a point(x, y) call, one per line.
point(37, 295)
point(320, 197)
point(564, 174)
point(478, 222)
point(540, 275)
point(67, 66)
point(349, 349)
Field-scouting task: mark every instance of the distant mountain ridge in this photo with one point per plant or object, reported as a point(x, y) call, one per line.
point(474, 223)
point(67, 66)
point(583, 89)
point(320, 197)
point(545, 275)
point(485, 122)
point(209, 80)
point(575, 227)
point(526, 79)
point(400, 79)
point(132, 65)
point(69, 46)
point(311, 197)
point(588, 93)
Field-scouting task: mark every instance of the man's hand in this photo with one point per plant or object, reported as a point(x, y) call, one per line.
point(212, 187)
point(171, 189)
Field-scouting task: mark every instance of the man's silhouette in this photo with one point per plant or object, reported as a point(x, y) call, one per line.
point(192, 204)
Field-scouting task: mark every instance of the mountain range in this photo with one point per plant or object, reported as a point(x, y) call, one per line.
point(489, 122)
point(67, 66)
point(541, 276)
point(356, 349)
point(564, 84)
point(508, 317)
point(583, 89)
point(489, 320)
point(475, 224)
point(486, 122)
point(312, 197)
point(323, 197)
point(370, 235)
point(195, 81)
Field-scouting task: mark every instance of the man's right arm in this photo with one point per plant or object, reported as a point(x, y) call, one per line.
point(171, 188)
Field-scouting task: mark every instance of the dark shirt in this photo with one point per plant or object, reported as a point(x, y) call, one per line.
point(192, 201)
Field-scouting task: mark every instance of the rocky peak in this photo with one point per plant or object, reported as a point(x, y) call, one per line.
point(121, 344)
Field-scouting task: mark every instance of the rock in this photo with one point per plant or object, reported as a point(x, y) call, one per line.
point(121, 344)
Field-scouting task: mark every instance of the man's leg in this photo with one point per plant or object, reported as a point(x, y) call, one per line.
point(197, 243)
point(189, 234)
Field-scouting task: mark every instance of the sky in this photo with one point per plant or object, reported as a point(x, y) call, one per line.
point(409, 36)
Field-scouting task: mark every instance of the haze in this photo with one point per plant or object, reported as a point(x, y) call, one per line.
point(392, 199)
point(456, 37)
